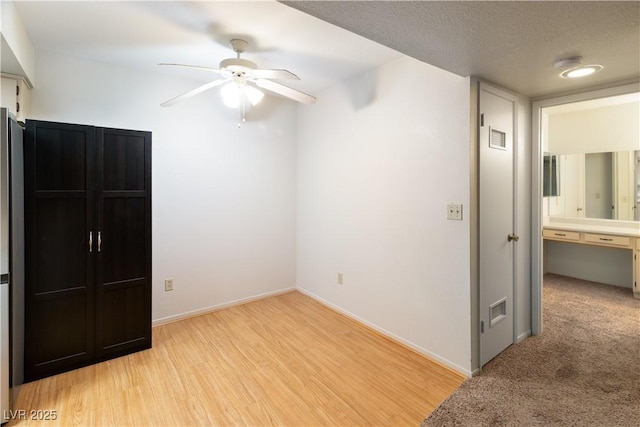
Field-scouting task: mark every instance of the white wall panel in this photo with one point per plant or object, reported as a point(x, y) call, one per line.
point(609, 128)
point(379, 158)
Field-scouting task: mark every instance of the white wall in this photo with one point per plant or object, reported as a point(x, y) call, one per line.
point(379, 158)
point(18, 54)
point(610, 128)
point(223, 197)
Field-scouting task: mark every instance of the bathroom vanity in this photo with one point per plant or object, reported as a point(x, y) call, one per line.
point(602, 233)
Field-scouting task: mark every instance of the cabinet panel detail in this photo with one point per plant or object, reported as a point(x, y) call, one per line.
point(123, 312)
point(123, 239)
point(606, 239)
point(61, 159)
point(61, 247)
point(62, 330)
point(561, 234)
point(123, 162)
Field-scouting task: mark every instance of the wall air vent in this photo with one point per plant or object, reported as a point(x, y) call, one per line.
point(498, 311)
point(498, 139)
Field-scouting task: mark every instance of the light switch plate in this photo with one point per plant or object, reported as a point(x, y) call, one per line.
point(454, 211)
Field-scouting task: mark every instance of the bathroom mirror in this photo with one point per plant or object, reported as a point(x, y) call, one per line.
point(595, 185)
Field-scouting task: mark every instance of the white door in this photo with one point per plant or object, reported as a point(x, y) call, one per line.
point(497, 238)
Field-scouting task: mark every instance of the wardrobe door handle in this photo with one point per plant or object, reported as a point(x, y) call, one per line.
point(99, 241)
point(91, 241)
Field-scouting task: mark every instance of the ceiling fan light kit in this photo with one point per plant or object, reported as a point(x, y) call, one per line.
point(243, 82)
point(232, 95)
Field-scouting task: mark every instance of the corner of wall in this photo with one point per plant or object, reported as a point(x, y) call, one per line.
point(16, 39)
point(473, 224)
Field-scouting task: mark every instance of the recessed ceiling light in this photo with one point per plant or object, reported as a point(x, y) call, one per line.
point(581, 71)
point(571, 67)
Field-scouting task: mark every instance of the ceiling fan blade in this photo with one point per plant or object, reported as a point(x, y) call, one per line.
point(283, 90)
point(193, 92)
point(274, 74)
point(197, 67)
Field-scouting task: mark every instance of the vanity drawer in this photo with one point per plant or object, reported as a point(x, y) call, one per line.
point(638, 243)
point(607, 239)
point(561, 234)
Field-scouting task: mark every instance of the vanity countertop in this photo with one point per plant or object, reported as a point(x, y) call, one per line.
point(589, 225)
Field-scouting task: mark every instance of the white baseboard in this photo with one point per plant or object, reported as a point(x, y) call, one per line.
point(422, 351)
point(521, 337)
point(210, 309)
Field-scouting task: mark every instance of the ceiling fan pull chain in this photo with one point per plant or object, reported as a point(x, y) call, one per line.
point(241, 109)
point(244, 105)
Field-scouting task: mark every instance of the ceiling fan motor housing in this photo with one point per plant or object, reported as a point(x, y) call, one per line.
point(237, 64)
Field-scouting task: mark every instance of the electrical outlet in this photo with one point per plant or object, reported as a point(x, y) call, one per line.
point(168, 284)
point(454, 211)
point(339, 278)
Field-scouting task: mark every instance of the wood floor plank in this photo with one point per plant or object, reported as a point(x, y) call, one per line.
point(284, 360)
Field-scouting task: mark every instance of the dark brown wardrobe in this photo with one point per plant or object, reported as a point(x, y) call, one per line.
point(88, 245)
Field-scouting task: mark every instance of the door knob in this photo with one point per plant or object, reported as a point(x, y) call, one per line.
point(513, 237)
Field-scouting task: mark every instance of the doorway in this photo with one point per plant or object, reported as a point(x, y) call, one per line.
point(540, 206)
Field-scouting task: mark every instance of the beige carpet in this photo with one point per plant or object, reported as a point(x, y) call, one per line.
point(584, 370)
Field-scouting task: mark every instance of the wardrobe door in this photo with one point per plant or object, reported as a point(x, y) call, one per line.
point(123, 299)
point(59, 232)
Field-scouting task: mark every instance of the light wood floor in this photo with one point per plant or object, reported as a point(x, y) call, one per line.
point(284, 360)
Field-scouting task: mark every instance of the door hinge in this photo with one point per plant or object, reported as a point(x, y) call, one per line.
point(482, 120)
point(482, 326)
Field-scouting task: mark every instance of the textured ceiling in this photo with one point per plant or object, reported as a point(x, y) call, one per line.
point(513, 43)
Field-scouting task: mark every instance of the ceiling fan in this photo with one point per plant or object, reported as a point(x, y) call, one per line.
point(243, 80)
